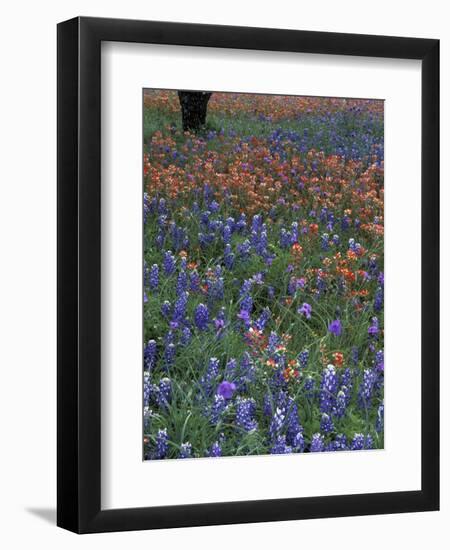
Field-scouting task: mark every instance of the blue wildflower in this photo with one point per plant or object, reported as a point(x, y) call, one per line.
point(201, 316)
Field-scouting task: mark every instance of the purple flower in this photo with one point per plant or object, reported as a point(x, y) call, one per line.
point(226, 389)
point(169, 354)
point(154, 277)
point(245, 411)
point(201, 317)
point(373, 328)
point(162, 444)
point(380, 418)
point(335, 327)
point(150, 354)
point(185, 450)
point(303, 357)
point(215, 450)
point(164, 393)
point(211, 373)
point(216, 410)
point(328, 389)
point(244, 316)
point(317, 443)
point(360, 442)
point(280, 447)
point(305, 310)
point(169, 263)
point(326, 424)
point(366, 388)
point(179, 310)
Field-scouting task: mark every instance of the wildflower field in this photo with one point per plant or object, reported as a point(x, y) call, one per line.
point(263, 276)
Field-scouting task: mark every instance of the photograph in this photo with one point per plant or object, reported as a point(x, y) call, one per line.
point(263, 274)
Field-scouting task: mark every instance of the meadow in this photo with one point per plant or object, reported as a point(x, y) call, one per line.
point(263, 277)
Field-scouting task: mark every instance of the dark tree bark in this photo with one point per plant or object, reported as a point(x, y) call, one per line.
point(193, 109)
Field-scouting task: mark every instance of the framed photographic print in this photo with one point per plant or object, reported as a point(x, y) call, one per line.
point(248, 289)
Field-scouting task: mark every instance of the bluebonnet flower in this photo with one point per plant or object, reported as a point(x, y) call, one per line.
point(209, 377)
point(169, 355)
point(147, 389)
point(335, 327)
point(285, 238)
point(228, 257)
point(215, 450)
point(309, 387)
point(218, 407)
point(162, 444)
point(366, 388)
point(247, 370)
point(244, 249)
point(298, 443)
point(380, 418)
point(326, 424)
point(247, 303)
point(241, 224)
point(179, 310)
point(159, 240)
point(230, 369)
point(360, 442)
point(153, 277)
point(147, 207)
point(245, 411)
point(227, 232)
point(182, 282)
point(328, 388)
point(185, 450)
point(324, 241)
point(150, 350)
point(355, 355)
point(194, 281)
point(244, 316)
point(256, 223)
point(261, 321)
point(347, 384)
point(320, 282)
point(162, 206)
point(186, 336)
point(165, 308)
point(277, 423)
point(378, 299)
point(345, 222)
point(303, 357)
point(262, 243)
point(305, 310)
point(246, 288)
point(273, 342)
point(145, 297)
point(215, 289)
point(373, 329)
point(317, 443)
point(201, 316)
point(294, 232)
point(379, 360)
point(340, 443)
point(341, 402)
point(164, 393)
point(280, 447)
point(169, 263)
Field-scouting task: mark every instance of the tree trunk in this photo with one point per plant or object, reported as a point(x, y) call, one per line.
point(193, 109)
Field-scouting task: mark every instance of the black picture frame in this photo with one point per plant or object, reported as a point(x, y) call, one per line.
point(79, 280)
